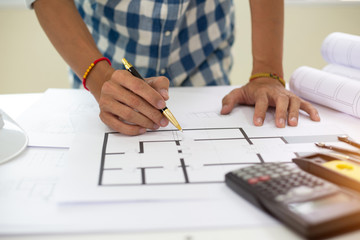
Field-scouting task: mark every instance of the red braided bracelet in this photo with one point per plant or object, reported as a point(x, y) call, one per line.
point(92, 65)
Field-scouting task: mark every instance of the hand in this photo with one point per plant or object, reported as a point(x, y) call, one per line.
point(265, 92)
point(130, 105)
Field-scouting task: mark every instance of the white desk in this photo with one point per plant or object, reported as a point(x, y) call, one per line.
point(15, 104)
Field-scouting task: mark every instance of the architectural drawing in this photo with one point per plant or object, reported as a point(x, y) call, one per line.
point(196, 156)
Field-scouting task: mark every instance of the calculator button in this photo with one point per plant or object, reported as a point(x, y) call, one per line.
point(257, 167)
point(264, 178)
point(253, 181)
point(240, 174)
point(302, 190)
point(275, 175)
point(259, 174)
point(285, 173)
point(295, 170)
point(246, 177)
point(252, 171)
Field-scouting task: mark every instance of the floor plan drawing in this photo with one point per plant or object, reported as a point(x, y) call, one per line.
point(196, 156)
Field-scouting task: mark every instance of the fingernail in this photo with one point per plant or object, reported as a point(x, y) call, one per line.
point(164, 122)
point(282, 122)
point(225, 108)
point(164, 93)
point(156, 126)
point(142, 130)
point(259, 121)
point(293, 120)
point(161, 104)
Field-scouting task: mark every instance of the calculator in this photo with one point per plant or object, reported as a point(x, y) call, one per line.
point(311, 206)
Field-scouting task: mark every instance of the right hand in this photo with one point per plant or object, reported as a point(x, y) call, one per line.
point(130, 105)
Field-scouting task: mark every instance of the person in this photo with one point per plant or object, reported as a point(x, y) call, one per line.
point(171, 43)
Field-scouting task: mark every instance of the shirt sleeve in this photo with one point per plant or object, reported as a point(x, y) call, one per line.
point(29, 3)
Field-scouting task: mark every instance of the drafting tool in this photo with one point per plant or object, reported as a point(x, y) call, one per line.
point(313, 207)
point(344, 157)
point(347, 140)
point(333, 169)
point(337, 149)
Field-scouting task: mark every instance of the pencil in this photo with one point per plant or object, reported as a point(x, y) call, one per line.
point(165, 111)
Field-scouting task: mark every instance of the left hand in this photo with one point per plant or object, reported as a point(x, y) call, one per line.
point(265, 92)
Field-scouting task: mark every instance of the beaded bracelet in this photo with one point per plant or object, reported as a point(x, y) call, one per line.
point(92, 65)
point(269, 75)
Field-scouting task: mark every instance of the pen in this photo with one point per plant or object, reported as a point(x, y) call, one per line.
point(165, 111)
point(337, 149)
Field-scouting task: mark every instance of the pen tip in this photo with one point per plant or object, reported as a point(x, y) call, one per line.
point(126, 63)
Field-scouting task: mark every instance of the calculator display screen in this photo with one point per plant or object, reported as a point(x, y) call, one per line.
point(316, 204)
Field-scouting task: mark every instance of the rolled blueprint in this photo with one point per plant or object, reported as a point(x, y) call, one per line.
point(342, 49)
point(352, 73)
point(334, 91)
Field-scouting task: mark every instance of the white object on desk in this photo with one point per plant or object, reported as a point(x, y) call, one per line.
point(13, 138)
point(228, 218)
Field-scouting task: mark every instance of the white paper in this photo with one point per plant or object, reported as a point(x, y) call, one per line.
point(334, 91)
point(54, 120)
point(170, 165)
point(340, 70)
point(27, 205)
point(28, 183)
point(342, 49)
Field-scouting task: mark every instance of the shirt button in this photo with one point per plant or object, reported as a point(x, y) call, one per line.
point(163, 71)
point(167, 33)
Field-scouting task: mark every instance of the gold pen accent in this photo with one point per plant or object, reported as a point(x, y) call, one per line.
point(126, 64)
point(165, 111)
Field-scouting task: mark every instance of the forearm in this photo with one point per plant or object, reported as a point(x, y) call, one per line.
point(267, 17)
point(68, 33)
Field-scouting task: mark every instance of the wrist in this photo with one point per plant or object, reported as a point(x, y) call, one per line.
point(268, 75)
point(274, 67)
point(264, 67)
point(99, 74)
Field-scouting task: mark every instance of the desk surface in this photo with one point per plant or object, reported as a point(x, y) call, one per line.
point(15, 104)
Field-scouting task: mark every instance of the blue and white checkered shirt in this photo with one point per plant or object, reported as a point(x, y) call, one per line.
point(188, 41)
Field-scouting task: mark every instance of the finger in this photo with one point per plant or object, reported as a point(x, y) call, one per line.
point(127, 114)
point(139, 87)
point(230, 100)
point(294, 106)
point(261, 106)
point(160, 84)
point(134, 101)
point(282, 104)
point(119, 126)
point(311, 110)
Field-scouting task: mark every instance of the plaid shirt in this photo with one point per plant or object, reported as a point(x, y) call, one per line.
point(187, 41)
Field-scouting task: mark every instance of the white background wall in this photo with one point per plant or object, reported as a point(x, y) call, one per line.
point(29, 63)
